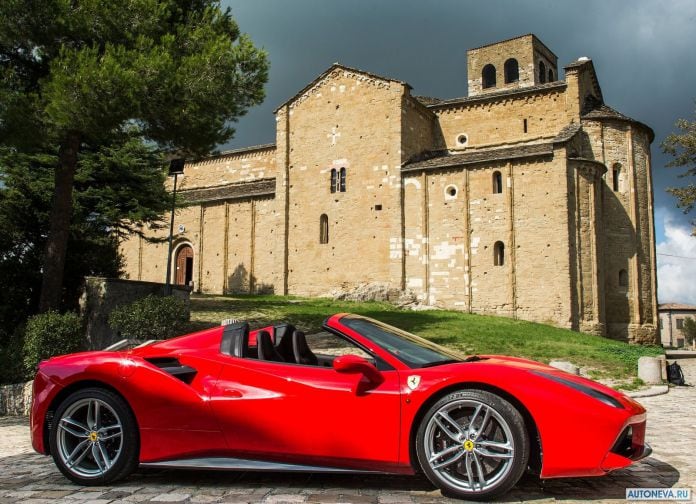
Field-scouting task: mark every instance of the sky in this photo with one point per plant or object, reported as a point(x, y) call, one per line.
point(643, 52)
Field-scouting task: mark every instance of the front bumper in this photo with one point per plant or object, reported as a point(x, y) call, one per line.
point(639, 455)
point(630, 447)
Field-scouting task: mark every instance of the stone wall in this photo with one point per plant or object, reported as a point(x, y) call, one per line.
point(353, 121)
point(453, 220)
point(628, 228)
point(487, 122)
point(404, 223)
point(102, 295)
point(15, 400)
point(242, 165)
point(527, 50)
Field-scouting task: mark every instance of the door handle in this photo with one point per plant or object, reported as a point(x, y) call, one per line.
point(230, 392)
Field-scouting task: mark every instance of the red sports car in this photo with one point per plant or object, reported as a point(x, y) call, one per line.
point(359, 396)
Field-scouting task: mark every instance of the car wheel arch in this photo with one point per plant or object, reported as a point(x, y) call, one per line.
point(536, 451)
point(66, 392)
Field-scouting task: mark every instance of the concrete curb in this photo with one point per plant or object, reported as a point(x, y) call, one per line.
point(655, 390)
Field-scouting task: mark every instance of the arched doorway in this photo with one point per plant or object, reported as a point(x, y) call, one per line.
point(184, 265)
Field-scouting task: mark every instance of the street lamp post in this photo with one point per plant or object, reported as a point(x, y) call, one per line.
point(176, 168)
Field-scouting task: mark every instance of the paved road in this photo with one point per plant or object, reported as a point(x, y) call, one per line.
point(31, 478)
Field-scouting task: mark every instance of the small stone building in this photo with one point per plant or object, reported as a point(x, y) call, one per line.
point(672, 317)
point(528, 198)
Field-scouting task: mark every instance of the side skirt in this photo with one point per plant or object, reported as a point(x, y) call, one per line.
point(237, 464)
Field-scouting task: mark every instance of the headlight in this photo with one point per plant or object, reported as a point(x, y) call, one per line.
point(597, 394)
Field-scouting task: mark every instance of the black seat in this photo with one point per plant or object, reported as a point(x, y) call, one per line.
point(265, 347)
point(235, 339)
point(283, 338)
point(302, 352)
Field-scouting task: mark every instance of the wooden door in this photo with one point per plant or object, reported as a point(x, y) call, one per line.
point(184, 265)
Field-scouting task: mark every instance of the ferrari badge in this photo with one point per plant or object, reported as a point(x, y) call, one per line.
point(413, 381)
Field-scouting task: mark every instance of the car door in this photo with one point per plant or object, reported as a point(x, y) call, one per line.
point(307, 414)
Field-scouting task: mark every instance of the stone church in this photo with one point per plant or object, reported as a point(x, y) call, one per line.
point(528, 198)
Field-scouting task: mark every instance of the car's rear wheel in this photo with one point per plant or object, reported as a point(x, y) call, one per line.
point(94, 437)
point(473, 444)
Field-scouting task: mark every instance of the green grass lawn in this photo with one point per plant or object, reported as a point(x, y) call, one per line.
point(472, 334)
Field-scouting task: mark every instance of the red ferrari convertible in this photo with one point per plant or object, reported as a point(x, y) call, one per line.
point(359, 396)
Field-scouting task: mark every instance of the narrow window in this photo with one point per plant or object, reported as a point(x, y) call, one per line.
point(512, 71)
point(342, 187)
point(542, 72)
point(680, 323)
point(333, 180)
point(323, 229)
point(499, 254)
point(488, 76)
point(551, 79)
point(497, 182)
point(616, 171)
point(623, 278)
point(525, 125)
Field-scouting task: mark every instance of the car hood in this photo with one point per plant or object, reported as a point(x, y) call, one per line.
point(540, 370)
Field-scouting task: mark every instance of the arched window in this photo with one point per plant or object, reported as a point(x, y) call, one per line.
point(323, 229)
point(488, 76)
point(542, 72)
point(497, 182)
point(623, 278)
point(616, 173)
point(499, 253)
point(551, 79)
point(342, 180)
point(333, 180)
point(512, 71)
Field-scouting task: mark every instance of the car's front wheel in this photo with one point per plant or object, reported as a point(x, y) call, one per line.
point(94, 437)
point(473, 444)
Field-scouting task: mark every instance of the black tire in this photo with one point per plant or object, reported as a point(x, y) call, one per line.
point(94, 437)
point(482, 443)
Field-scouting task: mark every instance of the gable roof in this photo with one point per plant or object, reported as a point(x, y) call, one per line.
point(431, 102)
point(240, 190)
point(580, 63)
point(327, 72)
point(603, 111)
point(432, 160)
point(676, 307)
point(534, 38)
point(445, 159)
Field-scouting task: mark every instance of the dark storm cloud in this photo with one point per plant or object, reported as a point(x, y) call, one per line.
point(642, 50)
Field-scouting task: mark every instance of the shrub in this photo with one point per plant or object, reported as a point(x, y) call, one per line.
point(49, 334)
point(11, 350)
point(152, 317)
point(689, 330)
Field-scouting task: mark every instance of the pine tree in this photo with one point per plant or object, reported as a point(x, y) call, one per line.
point(78, 75)
point(683, 147)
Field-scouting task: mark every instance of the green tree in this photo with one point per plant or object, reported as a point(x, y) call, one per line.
point(117, 189)
point(689, 330)
point(77, 75)
point(682, 146)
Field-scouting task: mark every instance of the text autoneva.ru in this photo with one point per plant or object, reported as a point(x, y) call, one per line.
point(659, 494)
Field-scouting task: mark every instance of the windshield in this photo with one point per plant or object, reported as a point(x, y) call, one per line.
point(410, 349)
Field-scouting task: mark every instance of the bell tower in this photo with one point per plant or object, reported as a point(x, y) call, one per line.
point(519, 62)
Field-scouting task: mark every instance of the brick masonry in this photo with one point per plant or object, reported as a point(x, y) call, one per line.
point(419, 212)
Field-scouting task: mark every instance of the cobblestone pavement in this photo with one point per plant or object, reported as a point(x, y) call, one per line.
point(31, 478)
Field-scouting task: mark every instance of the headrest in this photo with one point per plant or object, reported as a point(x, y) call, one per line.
point(235, 339)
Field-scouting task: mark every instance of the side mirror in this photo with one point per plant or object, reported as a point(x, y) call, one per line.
point(371, 377)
